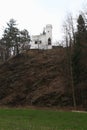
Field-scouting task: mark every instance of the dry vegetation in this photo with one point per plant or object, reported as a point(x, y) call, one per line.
point(36, 78)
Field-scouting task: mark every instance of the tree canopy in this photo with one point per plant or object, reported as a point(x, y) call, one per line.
point(13, 38)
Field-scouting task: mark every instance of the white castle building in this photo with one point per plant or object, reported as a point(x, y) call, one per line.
point(44, 40)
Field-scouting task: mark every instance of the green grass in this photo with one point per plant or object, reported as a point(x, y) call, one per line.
point(27, 119)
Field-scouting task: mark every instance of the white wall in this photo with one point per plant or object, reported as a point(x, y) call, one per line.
point(43, 38)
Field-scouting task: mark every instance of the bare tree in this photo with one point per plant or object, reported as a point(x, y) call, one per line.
point(69, 41)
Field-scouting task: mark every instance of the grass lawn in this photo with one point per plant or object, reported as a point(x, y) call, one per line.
point(28, 119)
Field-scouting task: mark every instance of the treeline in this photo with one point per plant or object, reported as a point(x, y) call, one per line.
point(76, 63)
point(13, 40)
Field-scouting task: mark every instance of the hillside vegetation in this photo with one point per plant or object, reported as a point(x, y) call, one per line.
point(37, 78)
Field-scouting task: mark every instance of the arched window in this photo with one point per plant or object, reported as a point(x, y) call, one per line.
point(35, 42)
point(49, 41)
point(40, 42)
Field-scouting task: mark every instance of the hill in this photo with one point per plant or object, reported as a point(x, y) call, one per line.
point(34, 78)
point(37, 78)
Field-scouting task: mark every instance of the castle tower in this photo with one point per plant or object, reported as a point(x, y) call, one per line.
point(44, 40)
point(49, 36)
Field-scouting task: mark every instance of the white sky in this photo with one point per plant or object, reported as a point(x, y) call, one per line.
point(33, 15)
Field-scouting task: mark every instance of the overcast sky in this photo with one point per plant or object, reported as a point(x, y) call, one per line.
point(33, 15)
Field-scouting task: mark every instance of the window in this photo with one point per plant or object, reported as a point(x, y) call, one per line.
point(40, 42)
point(35, 42)
point(49, 41)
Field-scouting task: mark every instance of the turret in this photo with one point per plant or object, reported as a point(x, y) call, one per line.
point(49, 34)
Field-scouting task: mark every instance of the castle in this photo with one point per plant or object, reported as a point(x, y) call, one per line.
point(44, 40)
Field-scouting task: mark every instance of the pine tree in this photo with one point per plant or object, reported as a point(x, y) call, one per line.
point(78, 58)
point(14, 40)
point(11, 37)
point(80, 39)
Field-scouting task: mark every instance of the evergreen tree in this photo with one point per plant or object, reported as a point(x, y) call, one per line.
point(80, 40)
point(11, 37)
point(14, 40)
point(78, 60)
